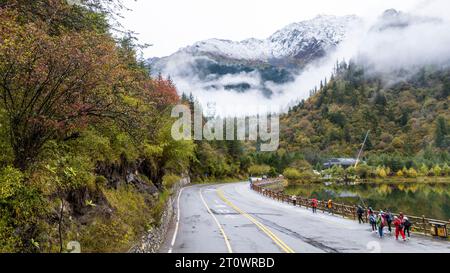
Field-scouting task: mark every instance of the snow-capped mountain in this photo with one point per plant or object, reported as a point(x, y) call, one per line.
point(295, 44)
point(284, 67)
point(394, 19)
point(254, 64)
point(297, 40)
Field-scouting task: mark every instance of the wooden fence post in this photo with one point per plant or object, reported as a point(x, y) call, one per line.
point(424, 225)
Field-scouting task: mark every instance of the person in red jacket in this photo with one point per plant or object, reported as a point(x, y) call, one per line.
point(314, 204)
point(398, 223)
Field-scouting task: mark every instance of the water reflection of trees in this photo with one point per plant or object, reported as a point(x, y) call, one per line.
point(431, 200)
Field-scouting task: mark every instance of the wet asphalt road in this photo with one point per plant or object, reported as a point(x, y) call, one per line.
point(233, 218)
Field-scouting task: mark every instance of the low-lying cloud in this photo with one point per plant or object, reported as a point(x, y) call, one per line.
point(409, 41)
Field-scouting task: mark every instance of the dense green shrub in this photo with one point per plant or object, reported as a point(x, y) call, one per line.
point(292, 174)
point(259, 170)
point(21, 210)
point(363, 171)
point(169, 180)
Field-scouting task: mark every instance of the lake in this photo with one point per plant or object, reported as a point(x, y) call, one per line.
point(417, 199)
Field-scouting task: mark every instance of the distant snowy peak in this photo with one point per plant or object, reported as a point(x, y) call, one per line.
point(325, 30)
point(393, 19)
point(295, 40)
point(248, 49)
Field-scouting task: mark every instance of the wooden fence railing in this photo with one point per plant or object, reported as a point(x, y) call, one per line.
point(421, 225)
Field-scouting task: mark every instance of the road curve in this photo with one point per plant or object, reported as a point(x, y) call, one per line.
point(227, 218)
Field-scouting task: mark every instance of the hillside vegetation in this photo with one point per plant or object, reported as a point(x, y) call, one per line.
point(407, 115)
point(85, 132)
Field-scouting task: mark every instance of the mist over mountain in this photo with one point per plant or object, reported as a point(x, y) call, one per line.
point(256, 64)
point(284, 68)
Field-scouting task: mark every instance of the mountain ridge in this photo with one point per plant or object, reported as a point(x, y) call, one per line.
point(254, 64)
point(290, 41)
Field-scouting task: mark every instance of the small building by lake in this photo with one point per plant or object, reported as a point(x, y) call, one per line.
point(343, 162)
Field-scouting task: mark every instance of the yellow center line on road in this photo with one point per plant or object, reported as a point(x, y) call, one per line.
point(263, 228)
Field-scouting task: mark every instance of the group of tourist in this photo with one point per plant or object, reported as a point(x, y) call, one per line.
point(379, 221)
point(315, 204)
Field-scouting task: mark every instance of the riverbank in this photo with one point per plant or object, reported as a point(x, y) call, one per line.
point(433, 180)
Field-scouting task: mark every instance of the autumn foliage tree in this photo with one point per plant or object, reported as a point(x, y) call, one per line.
point(50, 85)
point(61, 16)
point(79, 115)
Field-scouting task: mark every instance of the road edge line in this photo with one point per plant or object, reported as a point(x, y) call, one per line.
point(217, 222)
point(175, 234)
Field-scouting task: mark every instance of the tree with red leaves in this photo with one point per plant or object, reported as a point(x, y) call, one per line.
point(50, 85)
point(164, 91)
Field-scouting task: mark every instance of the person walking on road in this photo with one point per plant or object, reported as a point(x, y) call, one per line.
point(407, 227)
point(369, 212)
point(373, 222)
point(360, 212)
point(314, 204)
point(398, 223)
point(389, 218)
point(380, 223)
point(294, 200)
point(330, 206)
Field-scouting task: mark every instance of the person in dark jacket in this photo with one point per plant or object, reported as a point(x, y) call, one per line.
point(360, 212)
point(389, 219)
point(407, 227)
point(373, 222)
point(369, 212)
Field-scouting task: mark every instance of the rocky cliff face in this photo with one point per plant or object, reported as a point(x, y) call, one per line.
point(152, 241)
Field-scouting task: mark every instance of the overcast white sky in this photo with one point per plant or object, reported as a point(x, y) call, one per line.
point(172, 24)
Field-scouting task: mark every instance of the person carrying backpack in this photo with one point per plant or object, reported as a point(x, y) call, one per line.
point(360, 212)
point(373, 222)
point(381, 222)
point(407, 227)
point(389, 219)
point(398, 223)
